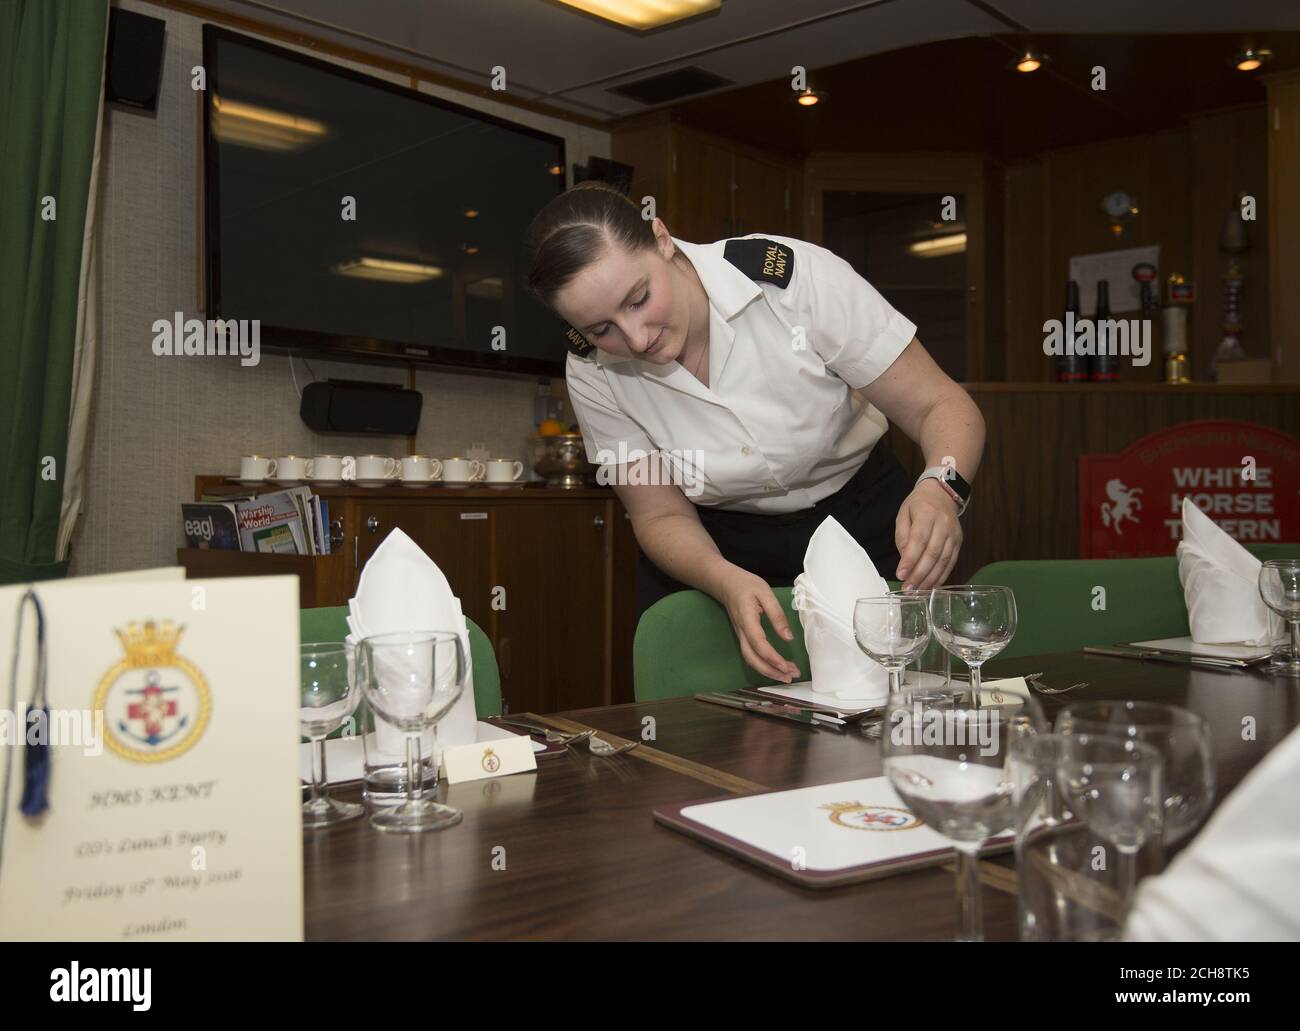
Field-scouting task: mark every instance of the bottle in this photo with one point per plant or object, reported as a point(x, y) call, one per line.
point(1103, 367)
point(1070, 367)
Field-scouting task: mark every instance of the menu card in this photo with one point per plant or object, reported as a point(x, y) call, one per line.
point(173, 797)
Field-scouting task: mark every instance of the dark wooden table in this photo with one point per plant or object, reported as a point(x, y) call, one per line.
point(572, 851)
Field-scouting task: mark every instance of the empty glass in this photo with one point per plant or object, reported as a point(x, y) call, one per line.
point(893, 630)
point(328, 696)
point(1115, 785)
point(412, 679)
point(974, 622)
point(947, 759)
point(1279, 586)
point(1180, 736)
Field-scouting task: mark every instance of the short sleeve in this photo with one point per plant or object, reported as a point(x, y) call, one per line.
point(605, 428)
point(855, 331)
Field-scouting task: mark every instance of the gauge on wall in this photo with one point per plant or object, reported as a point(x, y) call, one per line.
point(1121, 207)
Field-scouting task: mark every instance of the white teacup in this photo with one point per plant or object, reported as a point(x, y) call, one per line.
point(419, 469)
point(255, 467)
point(292, 467)
point(504, 470)
point(331, 467)
point(376, 467)
point(462, 470)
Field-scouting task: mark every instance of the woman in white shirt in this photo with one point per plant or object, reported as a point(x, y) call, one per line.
point(734, 393)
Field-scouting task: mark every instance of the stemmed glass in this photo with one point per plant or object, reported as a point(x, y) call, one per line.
point(1279, 586)
point(328, 696)
point(412, 679)
point(1180, 736)
point(1116, 786)
point(893, 630)
point(973, 622)
point(947, 759)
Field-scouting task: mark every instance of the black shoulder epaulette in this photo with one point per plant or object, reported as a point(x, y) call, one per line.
point(578, 344)
point(765, 261)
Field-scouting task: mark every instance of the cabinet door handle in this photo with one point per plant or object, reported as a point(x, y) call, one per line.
point(356, 546)
point(598, 522)
point(372, 524)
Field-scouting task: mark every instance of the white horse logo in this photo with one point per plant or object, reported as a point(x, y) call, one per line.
point(1123, 503)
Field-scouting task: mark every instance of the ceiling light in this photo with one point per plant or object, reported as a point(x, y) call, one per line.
point(1030, 61)
point(954, 243)
point(555, 169)
point(643, 14)
point(1251, 58)
point(810, 97)
point(471, 213)
point(263, 128)
point(388, 270)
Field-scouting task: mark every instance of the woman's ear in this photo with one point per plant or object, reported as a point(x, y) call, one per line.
point(663, 239)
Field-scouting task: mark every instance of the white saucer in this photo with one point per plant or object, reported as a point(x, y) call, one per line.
point(374, 483)
point(420, 483)
point(461, 483)
point(327, 483)
point(503, 486)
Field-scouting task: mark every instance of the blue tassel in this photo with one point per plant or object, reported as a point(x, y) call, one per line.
point(36, 764)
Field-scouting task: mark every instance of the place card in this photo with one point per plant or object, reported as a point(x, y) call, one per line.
point(173, 796)
point(483, 759)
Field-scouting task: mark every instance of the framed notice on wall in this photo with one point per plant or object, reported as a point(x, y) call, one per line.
point(1243, 476)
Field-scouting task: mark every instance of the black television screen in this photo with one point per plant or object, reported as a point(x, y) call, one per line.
point(356, 218)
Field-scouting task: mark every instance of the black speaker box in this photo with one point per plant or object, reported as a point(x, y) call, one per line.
point(350, 406)
point(133, 65)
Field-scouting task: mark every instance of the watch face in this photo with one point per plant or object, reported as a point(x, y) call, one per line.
point(1117, 204)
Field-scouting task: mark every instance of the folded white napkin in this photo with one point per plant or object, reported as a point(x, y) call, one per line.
point(401, 588)
point(1220, 582)
point(836, 573)
point(1237, 880)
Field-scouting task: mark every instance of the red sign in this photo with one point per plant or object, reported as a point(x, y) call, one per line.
point(1244, 477)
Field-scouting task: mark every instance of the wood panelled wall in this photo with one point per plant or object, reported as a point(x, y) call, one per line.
point(1184, 181)
point(1025, 503)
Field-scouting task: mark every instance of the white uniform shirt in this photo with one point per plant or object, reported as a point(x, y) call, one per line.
point(781, 424)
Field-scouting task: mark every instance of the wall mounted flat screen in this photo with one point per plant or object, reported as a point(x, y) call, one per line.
point(355, 218)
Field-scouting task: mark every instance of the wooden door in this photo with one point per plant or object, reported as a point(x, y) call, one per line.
point(702, 207)
point(458, 537)
point(552, 560)
point(762, 197)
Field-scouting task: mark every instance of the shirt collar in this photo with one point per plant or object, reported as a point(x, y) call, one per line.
point(729, 289)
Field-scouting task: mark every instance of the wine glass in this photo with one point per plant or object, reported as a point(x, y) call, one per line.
point(893, 630)
point(412, 679)
point(328, 696)
point(974, 622)
point(1279, 586)
point(1116, 786)
point(947, 759)
point(1180, 736)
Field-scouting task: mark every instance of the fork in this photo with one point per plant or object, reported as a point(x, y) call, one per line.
point(1032, 680)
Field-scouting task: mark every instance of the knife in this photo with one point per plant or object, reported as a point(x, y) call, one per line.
point(820, 710)
point(782, 712)
point(1236, 665)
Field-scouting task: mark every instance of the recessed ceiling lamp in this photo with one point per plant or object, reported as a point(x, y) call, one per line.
point(643, 14)
point(1029, 61)
point(954, 243)
point(471, 212)
point(810, 97)
point(555, 169)
point(1251, 58)
point(388, 270)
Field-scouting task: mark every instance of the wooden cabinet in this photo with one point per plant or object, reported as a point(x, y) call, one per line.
point(1283, 220)
point(706, 187)
point(549, 575)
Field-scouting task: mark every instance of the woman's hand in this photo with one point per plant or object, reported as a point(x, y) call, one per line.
point(747, 598)
point(928, 536)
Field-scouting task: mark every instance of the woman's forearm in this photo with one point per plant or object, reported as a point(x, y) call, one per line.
point(953, 429)
point(680, 546)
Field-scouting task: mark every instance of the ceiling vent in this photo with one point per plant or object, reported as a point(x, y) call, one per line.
point(669, 86)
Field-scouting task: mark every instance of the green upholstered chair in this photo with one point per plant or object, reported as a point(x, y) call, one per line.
point(331, 624)
point(684, 645)
point(1054, 599)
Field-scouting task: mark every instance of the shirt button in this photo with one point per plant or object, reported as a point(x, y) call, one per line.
point(745, 451)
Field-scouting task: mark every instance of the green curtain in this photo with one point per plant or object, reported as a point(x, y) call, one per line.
point(51, 73)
